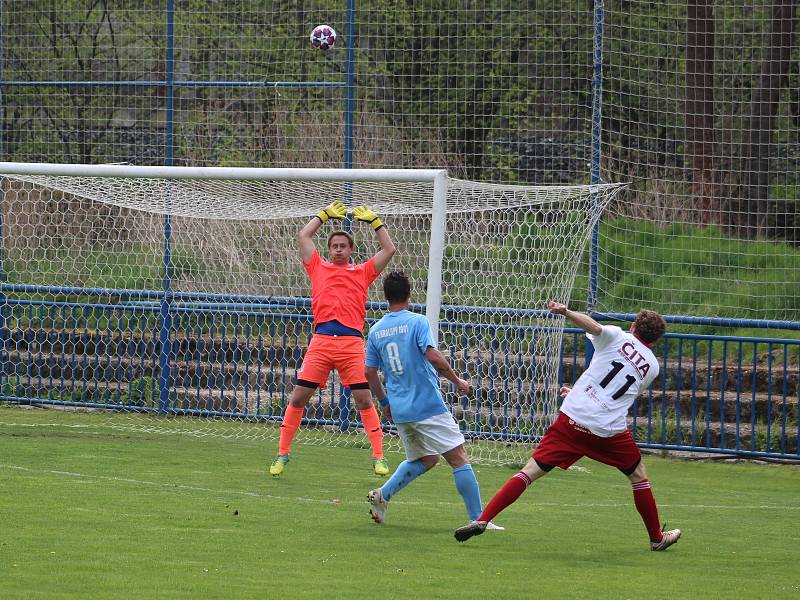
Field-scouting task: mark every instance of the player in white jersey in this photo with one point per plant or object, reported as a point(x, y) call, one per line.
point(401, 345)
point(622, 364)
point(592, 419)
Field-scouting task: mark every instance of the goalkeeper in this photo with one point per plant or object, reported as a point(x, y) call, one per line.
point(338, 301)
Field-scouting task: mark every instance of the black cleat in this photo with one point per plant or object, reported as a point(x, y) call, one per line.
point(473, 528)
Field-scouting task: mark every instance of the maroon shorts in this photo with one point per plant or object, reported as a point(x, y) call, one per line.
point(565, 442)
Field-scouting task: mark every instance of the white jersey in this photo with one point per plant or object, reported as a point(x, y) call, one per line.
point(621, 366)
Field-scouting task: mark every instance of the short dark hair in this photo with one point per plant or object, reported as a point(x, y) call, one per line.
point(396, 287)
point(345, 234)
point(649, 326)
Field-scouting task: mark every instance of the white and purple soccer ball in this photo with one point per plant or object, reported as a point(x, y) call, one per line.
point(323, 37)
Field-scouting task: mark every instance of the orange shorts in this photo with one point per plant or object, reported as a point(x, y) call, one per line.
point(345, 353)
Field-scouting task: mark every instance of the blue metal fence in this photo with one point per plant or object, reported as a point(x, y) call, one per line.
point(728, 395)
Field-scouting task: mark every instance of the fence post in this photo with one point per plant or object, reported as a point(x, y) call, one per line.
point(349, 110)
point(165, 315)
point(350, 103)
point(597, 115)
point(4, 313)
point(3, 305)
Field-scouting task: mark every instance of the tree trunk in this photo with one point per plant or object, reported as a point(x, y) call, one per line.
point(751, 217)
point(700, 104)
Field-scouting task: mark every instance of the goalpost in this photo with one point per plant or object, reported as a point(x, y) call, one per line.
point(172, 299)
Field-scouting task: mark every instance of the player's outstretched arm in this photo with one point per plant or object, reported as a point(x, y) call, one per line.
point(305, 237)
point(367, 215)
point(443, 368)
point(582, 320)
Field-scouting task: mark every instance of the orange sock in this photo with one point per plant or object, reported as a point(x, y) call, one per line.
point(291, 421)
point(372, 425)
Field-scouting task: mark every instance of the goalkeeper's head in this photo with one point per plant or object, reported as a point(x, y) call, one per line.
point(649, 326)
point(396, 288)
point(340, 247)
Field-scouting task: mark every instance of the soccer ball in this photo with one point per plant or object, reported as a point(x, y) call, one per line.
point(323, 37)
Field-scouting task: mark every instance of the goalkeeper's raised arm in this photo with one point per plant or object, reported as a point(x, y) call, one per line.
point(337, 210)
point(305, 237)
point(365, 213)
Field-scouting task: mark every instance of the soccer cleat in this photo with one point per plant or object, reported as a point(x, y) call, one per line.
point(667, 539)
point(490, 526)
point(377, 505)
point(381, 466)
point(462, 534)
point(276, 468)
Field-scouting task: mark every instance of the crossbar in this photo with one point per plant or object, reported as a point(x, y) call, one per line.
point(241, 173)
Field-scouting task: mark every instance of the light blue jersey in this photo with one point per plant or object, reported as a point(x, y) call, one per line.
point(396, 345)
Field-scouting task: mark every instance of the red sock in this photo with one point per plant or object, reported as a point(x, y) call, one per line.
point(646, 505)
point(372, 425)
point(291, 421)
point(507, 495)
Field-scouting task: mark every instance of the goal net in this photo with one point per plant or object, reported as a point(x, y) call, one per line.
point(173, 299)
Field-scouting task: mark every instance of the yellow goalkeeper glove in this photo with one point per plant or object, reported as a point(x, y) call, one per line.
point(334, 210)
point(366, 214)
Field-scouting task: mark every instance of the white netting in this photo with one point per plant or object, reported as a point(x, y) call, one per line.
point(274, 200)
point(85, 273)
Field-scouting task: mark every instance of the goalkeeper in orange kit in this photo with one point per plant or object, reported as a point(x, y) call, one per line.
point(338, 301)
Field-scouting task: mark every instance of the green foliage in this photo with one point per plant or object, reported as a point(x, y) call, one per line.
point(768, 435)
point(700, 271)
point(98, 266)
point(784, 192)
point(11, 389)
point(508, 70)
point(475, 78)
point(142, 391)
point(660, 429)
point(131, 267)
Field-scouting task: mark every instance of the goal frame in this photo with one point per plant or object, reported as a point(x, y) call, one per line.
point(475, 246)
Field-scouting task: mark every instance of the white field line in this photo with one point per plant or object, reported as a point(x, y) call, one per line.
point(263, 496)
point(137, 428)
point(172, 486)
point(71, 426)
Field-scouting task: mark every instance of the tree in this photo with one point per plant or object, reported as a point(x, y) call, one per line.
point(700, 101)
point(749, 212)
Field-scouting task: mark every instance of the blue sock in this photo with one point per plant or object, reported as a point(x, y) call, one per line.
point(467, 486)
point(406, 473)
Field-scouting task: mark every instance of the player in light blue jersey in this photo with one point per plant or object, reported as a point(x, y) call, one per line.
point(401, 345)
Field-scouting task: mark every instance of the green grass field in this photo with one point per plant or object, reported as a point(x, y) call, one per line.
point(91, 512)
